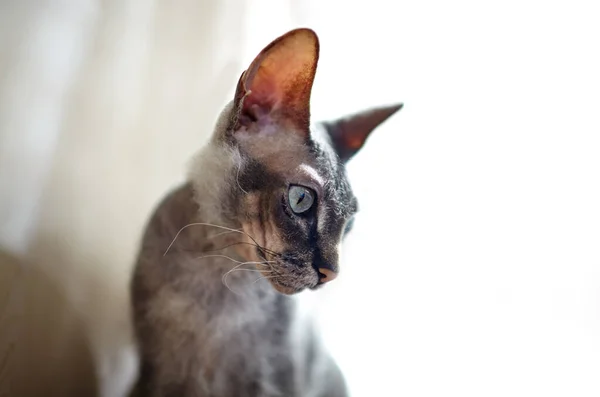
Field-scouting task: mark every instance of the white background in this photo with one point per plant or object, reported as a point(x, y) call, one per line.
point(474, 266)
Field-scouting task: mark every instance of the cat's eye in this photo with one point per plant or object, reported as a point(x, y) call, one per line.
point(300, 198)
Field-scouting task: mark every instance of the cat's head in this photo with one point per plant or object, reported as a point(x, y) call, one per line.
point(285, 178)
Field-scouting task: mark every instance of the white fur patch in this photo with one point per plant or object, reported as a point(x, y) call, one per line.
point(311, 173)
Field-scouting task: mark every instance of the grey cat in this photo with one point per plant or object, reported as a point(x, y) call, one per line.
point(261, 218)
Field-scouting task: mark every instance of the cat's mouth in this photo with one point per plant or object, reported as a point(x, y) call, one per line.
point(285, 289)
point(291, 287)
point(289, 280)
point(287, 277)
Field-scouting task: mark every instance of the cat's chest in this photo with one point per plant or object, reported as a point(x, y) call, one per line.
point(260, 311)
point(246, 327)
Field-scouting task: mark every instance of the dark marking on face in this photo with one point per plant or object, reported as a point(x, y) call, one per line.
point(306, 241)
point(256, 176)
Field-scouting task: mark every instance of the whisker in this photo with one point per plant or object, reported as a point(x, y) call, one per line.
point(237, 268)
point(237, 178)
point(245, 242)
point(224, 277)
point(252, 270)
point(217, 256)
point(233, 260)
point(262, 278)
point(217, 226)
point(213, 225)
point(222, 233)
point(268, 251)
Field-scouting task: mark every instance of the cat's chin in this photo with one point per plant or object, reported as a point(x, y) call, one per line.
point(285, 290)
point(289, 282)
point(289, 290)
point(292, 291)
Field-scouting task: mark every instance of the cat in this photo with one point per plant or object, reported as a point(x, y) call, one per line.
point(261, 218)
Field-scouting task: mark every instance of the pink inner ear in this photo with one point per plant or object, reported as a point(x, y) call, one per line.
point(279, 80)
point(349, 134)
point(261, 99)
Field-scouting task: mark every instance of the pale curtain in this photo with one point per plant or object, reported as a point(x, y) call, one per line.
point(474, 265)
point(102, 102)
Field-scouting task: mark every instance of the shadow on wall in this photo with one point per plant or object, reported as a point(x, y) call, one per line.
point(43, 345)
point(124, 93)
point(76, 333)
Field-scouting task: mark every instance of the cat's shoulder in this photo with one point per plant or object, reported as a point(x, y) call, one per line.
point(177, 209)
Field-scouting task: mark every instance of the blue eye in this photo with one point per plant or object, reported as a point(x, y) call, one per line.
point(300, 198)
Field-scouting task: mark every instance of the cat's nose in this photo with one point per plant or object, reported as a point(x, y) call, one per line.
point(326, 275)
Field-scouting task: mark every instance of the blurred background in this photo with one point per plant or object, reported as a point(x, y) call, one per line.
point(474, 266)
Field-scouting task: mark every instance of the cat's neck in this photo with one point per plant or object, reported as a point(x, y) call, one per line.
point(211, 183)
point(185, 225)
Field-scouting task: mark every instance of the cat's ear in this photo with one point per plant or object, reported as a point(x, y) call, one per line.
point(277, 85)
point(349, 134)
